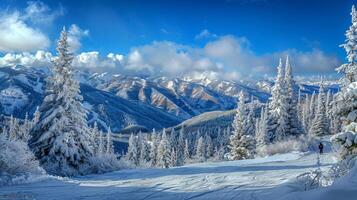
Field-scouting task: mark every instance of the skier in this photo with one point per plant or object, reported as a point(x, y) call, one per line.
point(321, 147)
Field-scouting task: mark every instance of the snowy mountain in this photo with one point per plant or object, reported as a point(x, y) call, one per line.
point(22, 90)
point(130, 103)
point(187, 98)
point(209, 121)
point(176, 96)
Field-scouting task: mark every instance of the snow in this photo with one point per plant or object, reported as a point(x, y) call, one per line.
point(12, 98)
point(37, 86)
point(260, 178)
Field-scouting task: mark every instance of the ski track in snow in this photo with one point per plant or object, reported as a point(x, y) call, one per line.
point(261, 178)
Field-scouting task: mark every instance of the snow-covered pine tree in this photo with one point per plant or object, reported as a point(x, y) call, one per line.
point(346, 99)
point(110, 148)
point(105, 160)
point(312, 109)
point(14, 128)
point(277, 107)
point(201, 149)
point(27, 126)
point(257, 126)
point(173, 162)
point(24, 129)
point(163, 151)
point(209, 146)
point(173, 140)
point(186, 152)
point(294, 127)
point(181, 147)
point(133, 150)
point(36, 117)
point(320, 125)
point(197, 137)
point(305, 114)
point(155, 141)
point(241, 144)
point(101, 144)
point(262, 135)
point(95, 138)
point(335, 124)
point(144, 152)
point(276, 92)
point(328, 104)
point(225, 139)
point(61, 139)
point(219, 138)
point(250, 120)
point(300, 108)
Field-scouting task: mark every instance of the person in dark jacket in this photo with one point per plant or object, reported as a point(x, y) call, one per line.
point(321, 147)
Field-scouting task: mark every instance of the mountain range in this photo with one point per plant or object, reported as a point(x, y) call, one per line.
point(132, 103)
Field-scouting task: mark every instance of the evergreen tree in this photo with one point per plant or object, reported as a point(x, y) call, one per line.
point(262, 137)
point(181, 148)
point(312, 108)
point(186, 151)
point(173, 141)
point(14, 128)
point(25, 129)
point(144, 152)
point(36, 117)
point(305, 114)
point(320, 124)
point(155, 140)
point(241, 144)
point(328, 104)
point(173, 162)
point(201, 150)
point(101, 144)
point(349, 69)
point(250, 120)
point(346, 99)
point(110, 149)
point(95, 138)
point(61, 138)
point(277, 98)
point(209, 146)
point(335, 125)
point(163, 152)
point(278, 118)
point(294, 127)
point(133, 150)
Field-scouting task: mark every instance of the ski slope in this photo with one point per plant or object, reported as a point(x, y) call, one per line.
point(260, 178)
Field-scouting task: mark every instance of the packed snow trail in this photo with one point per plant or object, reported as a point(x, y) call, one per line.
point(261, 178)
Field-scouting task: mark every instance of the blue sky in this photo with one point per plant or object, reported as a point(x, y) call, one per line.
point(229, 38)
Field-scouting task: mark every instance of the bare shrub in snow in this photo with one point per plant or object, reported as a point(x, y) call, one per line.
point(286, 146)
point(314, 179)
point(16, 160)
point(311, 180)
point(104, 163)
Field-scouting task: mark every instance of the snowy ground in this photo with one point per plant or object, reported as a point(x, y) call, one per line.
point(261, 178)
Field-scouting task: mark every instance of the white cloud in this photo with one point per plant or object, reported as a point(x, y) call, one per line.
point(39, 59)
point(227, 57)
point(19, 30)
point(168, 58)
point(205, 34)
point(41, 14)
point(75, 34)
point(236, 56)
point(17, 36)
point(94, 61)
